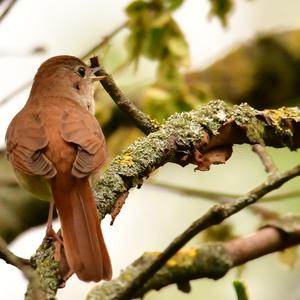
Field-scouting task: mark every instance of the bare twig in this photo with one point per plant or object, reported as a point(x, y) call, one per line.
point(219, 196)
point(11, 258)
point(105, 40)
point(7, 9)
point(24, 266)
point(141, 120)
point(15, 92)
point(223, 198)
point(266, 159)
point(214, 216)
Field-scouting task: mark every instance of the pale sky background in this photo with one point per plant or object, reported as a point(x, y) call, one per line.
point(73, 27)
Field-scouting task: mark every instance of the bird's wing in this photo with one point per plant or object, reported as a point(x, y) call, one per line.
point(82, 129)
point(25, 140)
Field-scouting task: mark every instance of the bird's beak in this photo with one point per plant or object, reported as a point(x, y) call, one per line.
point(94, 77)
point(97, 78)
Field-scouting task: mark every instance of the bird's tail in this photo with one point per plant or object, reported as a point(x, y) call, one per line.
point(82, 237)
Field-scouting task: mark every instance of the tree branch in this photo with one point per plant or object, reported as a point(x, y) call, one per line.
point(202, 137)
point(105, 40)
point(214, 216)
point(140, 119)
point(219, 196)
point(15, 92)
point(7, 9)
point(212, 260)
point(266, 159)
point(24, 266)
point(11, 258)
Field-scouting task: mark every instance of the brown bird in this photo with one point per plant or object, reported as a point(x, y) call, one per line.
point(56, 148)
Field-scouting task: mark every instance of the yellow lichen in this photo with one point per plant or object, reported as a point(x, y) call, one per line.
point(192, 252)
point(127, 276)
point(126, 159)
point(172, 262)
point(152, 253)
point(278, 115)
point(183, 257)
point(155, 123)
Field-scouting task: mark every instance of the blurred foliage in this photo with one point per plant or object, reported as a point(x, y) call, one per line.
point(289, 257)
point(218, 233)
point(18, 209)
point(221, 9)
point(264, 73)
point(155, 34)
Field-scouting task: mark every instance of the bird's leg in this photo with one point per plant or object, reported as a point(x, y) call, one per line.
point(50, 233)
point(59, 253)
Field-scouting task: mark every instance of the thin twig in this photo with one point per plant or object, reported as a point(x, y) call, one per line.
point(7, 9)
point(266, 159)
point(141, 120)
point(219, 196)
point(214, 216)
point(11, 258)
point(15, 92)
point(105, 40)
point(24, 266)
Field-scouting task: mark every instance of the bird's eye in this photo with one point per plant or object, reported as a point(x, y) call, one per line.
point(81, 71)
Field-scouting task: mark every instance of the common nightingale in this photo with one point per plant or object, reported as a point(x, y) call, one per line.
point(56, 147)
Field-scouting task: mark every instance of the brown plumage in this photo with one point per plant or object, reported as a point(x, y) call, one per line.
point(56, 146)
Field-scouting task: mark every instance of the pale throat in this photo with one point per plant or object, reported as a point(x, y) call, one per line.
point(86, 98)
point(60, 87)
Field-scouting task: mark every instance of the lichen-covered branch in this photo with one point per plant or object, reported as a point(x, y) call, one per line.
point(47, 272)
point(212, 260)
point(202, 137)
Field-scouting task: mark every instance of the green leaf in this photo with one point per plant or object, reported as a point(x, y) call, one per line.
point(136, 7)
point(221, 9)
point(173, 4)
point(161, 20)
point(154, 43)
point(178, 47)
point(240, 290)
